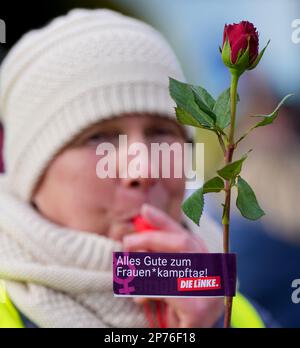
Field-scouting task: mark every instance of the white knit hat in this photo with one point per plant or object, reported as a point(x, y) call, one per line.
point(83, 67)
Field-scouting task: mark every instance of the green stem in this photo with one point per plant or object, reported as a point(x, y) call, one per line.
point(228, 159)
point(233, 102)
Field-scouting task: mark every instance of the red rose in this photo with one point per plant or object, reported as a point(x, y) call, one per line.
point(240, 47)
point(239, 35)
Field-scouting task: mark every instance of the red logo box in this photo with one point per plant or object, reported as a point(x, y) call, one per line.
point(198, 284)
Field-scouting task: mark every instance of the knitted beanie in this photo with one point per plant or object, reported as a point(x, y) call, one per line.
point(81, 68)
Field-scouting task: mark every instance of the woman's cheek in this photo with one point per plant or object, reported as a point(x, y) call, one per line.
point(96, 187)
point(176, 189)
point(76, 174)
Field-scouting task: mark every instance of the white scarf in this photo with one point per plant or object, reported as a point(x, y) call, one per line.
point(61, 277)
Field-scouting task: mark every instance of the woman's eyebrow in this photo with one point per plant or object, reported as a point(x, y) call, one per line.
point(103, 128)
point(165, 124)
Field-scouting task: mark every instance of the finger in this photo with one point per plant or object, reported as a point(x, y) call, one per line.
point(151, 241)
point(173, 318)
point(119, 231)
point(141, 300)
point(159, 219)
point(200, 312)
point(162, 241)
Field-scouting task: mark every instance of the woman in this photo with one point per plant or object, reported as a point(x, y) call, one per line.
point(83, 80)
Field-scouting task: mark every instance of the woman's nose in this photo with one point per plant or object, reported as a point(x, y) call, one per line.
point(138, 173)
point(140, 182)
point(135, 166)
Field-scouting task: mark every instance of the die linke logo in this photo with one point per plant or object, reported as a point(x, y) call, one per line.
point(207, 283)
point(2, 31)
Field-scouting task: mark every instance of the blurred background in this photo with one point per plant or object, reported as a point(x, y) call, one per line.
point(268, 250)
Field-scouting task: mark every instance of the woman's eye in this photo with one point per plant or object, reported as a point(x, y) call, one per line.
point(102, 137)
point(162, 132)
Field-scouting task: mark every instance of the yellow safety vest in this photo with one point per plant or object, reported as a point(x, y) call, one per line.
point(9, 316)
point(244, 314)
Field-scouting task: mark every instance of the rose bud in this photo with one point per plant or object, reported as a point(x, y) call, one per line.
point(240, 47)
point(141, 225)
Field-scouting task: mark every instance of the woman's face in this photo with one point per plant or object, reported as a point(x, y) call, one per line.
point(71, 194)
